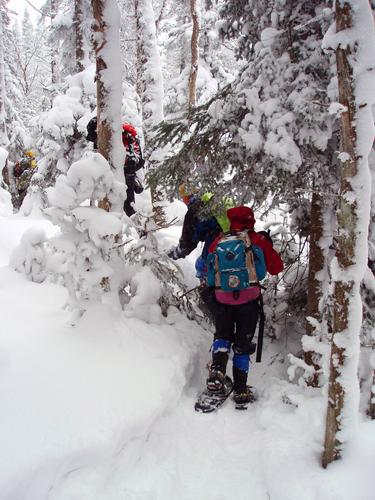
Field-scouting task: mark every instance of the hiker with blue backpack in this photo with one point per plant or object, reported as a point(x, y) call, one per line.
point(237, 261)
point(203, 222)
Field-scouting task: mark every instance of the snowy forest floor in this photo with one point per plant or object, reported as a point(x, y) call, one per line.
point(104, 410)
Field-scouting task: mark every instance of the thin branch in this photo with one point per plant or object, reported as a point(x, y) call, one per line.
point(40, 12)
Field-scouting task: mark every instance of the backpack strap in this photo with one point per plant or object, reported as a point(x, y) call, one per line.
point(217, 274)
point(250, 264)
point(260, 330)
point(216, 264)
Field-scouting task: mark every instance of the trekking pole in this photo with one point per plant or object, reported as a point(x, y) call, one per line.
point(187, 293)
point(261, 330)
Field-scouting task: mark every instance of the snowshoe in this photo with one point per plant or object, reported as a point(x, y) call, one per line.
point(209, 401)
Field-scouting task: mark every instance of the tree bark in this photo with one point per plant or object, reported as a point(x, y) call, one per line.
point(103, 128)
point(194, 55)
point(314, 287)
point(78, 19)
point(108, 88)
point(347, 220)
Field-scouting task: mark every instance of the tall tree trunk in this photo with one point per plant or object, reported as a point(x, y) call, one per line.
point(108, 85)
point(3, 128)
point(78, 19)
point(343, 389)
point(55, 77)
point(149, 87)
point(314, 290)
point(194, 55)
point(371, 408)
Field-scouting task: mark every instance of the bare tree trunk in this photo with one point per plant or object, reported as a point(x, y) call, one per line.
point(194, 55)
point(3, 128)
point(78, 19)
point(314, 290)
point(106, 45)
point(54, 54)
point(207, 56)
point(371, 407)
point(347, 220)
point(103, 128)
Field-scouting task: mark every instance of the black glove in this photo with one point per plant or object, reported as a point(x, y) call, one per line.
point(174, 253)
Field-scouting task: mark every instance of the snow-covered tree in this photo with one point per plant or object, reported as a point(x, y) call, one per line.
point(149, 85)
point(353, 39)
point(267, 138)
point(60, 131)
point(194, 53)
point(3, 127)
point(108, 83)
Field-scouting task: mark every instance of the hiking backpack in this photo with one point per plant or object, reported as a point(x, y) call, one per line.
point(235, 264)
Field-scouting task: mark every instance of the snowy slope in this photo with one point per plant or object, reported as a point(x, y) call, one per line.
point(104, 410)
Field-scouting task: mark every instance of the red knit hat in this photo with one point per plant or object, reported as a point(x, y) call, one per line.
point(127, 127)
point(241, 218)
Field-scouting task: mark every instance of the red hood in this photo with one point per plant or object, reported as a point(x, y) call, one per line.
point(241, 218)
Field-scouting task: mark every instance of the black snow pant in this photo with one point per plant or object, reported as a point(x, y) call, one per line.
point(130, 197)
point(235, 327)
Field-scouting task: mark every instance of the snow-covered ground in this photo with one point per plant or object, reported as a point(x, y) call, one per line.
point(104, 410)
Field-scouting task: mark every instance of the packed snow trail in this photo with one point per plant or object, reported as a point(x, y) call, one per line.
point(105, 410)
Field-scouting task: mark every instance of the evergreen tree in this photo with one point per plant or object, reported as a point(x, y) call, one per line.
point(267, 138)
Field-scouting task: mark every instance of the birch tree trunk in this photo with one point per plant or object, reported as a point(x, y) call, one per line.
point(3, 128)
point(108, 85)
point(194, 55)
point(77, 22)
point(349, 264)
point(149, 86)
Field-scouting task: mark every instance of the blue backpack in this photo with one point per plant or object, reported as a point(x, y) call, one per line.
point(235, 264)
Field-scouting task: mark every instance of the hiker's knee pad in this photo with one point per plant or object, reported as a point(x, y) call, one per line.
point(221, 345)
point(241, 362)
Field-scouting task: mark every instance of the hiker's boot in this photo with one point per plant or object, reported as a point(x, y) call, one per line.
point(239, 379)
point(215, 379)
point(244, 397)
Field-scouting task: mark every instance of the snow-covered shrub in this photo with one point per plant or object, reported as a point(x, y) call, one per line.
point(84, 257)
point(60, 132)
point(154, 281)
point(30, 257)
